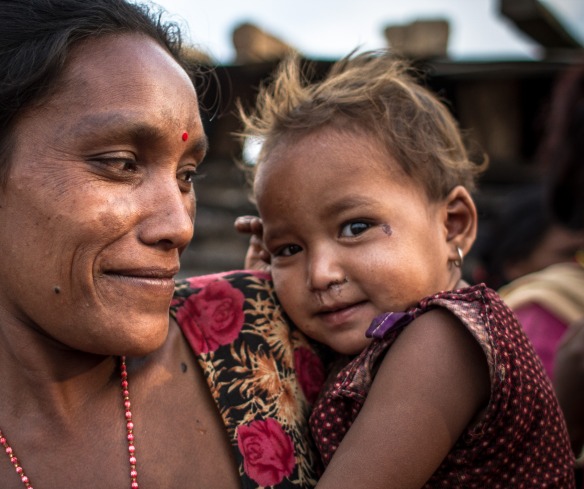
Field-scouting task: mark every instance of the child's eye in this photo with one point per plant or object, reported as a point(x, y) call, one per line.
point(354, 228)
point(288, 250)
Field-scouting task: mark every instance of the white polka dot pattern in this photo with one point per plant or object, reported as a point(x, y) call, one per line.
point(521, 441)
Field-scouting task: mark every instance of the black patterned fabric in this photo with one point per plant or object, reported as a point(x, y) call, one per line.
point(262, 372)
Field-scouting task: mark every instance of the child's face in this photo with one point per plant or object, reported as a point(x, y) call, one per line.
point(350, 235)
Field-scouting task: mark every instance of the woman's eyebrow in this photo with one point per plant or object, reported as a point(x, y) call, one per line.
point(124, 124)
point(200, 145)
point(106, 123)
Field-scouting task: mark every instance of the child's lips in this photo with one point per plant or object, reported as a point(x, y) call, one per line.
point(338, 314)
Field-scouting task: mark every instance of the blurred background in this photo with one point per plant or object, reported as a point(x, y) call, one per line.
point(494, 62)
point(327, 29)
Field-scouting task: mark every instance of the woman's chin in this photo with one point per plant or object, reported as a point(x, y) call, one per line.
point(133, 339)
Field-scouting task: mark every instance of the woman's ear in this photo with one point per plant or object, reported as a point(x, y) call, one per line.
point(461, 220)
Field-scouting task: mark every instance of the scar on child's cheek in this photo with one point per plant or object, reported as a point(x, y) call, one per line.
point(386, 229)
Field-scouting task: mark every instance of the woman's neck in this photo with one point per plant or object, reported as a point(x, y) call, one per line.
point(38, 375)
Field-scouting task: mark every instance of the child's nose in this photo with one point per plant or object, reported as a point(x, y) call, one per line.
point(324, 271)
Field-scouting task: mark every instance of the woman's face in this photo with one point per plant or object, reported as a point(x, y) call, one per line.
point(99, 202)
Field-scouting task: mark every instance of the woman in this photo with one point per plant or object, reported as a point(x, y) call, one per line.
point(100, 136)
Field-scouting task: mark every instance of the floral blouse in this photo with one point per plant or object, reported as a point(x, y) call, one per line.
point(262, 372)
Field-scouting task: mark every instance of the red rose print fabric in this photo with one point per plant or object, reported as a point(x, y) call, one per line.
point(262, 372)
point(217, 314)
point(268, 452)
point(310, 373)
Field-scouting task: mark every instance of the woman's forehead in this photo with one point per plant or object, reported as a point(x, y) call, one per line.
point(126, 53)
point(131, 73)
point(115, 90)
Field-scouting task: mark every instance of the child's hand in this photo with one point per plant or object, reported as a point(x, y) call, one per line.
point(257, 257)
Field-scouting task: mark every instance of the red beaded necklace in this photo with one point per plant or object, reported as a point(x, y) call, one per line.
point(129, 427)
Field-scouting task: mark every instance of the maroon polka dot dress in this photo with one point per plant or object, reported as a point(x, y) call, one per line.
point(520, 442)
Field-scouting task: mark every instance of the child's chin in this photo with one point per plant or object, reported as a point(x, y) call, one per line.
point(351, 348)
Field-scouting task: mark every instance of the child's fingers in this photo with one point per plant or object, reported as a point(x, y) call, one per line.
point(257, 257)
point(243, 224)
point(249, 225)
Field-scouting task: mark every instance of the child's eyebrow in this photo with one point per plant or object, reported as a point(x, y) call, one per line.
point(348, 203)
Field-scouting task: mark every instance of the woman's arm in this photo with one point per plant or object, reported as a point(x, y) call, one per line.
point(431, 384)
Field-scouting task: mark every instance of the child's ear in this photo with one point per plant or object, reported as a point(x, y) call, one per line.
point(461, 221)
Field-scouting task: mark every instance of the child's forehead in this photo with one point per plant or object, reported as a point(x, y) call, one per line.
point(338, 154)
point(329, 147)
point(330, 137)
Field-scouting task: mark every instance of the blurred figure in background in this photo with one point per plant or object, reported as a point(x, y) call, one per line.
point(532, 263)
point(563, 150)
point(550, 302)
point(522, 236)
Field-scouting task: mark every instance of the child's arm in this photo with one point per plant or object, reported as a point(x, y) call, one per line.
point(431, 384)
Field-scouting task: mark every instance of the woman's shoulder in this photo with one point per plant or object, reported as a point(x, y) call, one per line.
point(216, 310)
point(262, 372)
point(243, 280)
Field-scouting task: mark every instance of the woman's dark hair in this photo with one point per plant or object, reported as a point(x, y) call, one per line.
point(36, 37)
point(562, 150)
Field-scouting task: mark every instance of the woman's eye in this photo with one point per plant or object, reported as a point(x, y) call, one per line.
point(128, 166)
point(288, 250)
point(187, 177)
point(121, 165)
point(354, 228)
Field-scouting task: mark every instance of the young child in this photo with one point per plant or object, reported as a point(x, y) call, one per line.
point(363, 189)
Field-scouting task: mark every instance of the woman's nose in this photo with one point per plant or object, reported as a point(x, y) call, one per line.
point(169, 221)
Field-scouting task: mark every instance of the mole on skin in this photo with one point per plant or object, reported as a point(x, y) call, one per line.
point(386, 229)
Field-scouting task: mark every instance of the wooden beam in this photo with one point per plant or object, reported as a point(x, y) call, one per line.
point(534, 19)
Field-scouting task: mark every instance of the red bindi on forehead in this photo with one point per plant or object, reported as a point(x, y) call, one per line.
point(185, 136)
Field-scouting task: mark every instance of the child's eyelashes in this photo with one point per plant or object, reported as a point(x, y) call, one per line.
point(350, 229)
point(287, 250)
point(354, 228)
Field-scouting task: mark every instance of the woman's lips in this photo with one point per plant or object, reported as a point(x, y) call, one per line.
point(159, 280)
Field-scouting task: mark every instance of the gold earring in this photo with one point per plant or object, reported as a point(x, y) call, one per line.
point(458, 263)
